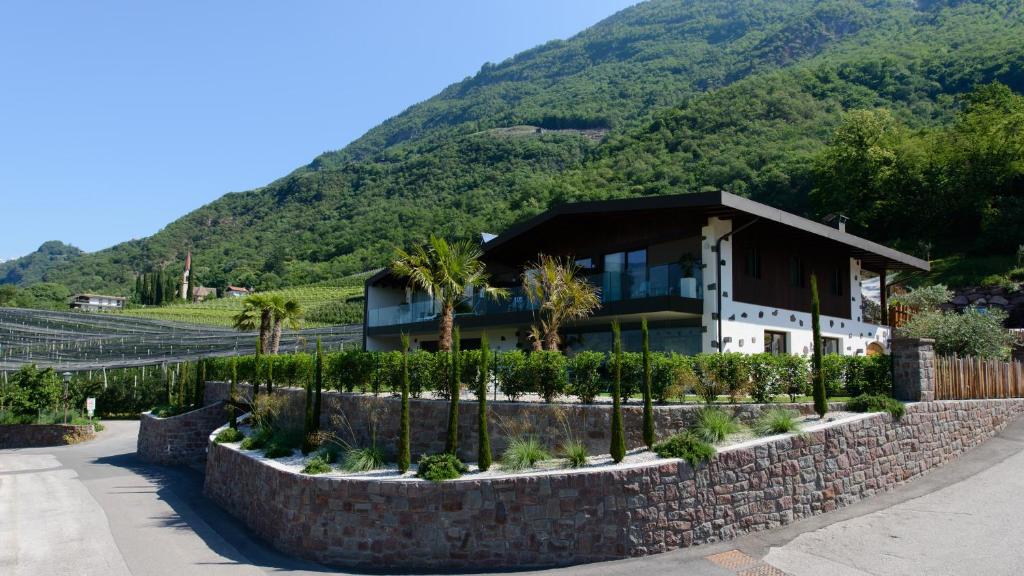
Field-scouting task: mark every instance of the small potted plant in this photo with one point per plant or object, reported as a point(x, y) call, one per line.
point(688, 283)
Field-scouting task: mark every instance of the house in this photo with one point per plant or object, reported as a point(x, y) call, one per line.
point(710, 271)
point(201, 293)
point(97, 302)
point(237, 291)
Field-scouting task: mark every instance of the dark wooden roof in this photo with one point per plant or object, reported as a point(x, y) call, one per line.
point(874, 256)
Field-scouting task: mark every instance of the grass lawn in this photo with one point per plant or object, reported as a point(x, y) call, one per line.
point(961, 270)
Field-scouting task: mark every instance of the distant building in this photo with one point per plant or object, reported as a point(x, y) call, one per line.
point(237, 291)
point(200, 293)
point(186, 276)
point(97, 302)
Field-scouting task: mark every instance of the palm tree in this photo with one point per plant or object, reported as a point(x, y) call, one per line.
point(256, 314)
point(446, 271)
point(559, 294)
point(283, 313)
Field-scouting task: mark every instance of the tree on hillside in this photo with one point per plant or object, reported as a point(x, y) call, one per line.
point(560, 295)
point(445, 271)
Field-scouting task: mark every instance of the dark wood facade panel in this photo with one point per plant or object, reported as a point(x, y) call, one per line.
point(781, 278)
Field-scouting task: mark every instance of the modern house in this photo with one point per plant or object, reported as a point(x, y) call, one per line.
point(708, 271)
point(97, 302)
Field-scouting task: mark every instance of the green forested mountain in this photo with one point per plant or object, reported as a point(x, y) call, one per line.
point(812, 106)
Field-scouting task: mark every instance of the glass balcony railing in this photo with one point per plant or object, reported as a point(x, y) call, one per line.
point(665, 280)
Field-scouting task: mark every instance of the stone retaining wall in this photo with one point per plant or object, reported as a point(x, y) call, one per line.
point(36, 435)
point(590, 423)
point(180, 439)
point(563, 518)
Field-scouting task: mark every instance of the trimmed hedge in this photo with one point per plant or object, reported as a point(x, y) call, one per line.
point(584, 376)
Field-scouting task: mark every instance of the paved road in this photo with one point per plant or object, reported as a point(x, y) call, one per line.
point(93, 509)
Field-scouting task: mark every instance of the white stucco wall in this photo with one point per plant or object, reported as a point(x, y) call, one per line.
point(744, 324)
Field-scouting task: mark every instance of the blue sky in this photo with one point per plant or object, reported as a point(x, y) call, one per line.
point(118, 117)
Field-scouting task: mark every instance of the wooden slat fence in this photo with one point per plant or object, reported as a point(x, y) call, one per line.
point(899, 315)
point(977, 378)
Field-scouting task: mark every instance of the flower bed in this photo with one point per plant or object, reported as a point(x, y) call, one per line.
point(560, 517)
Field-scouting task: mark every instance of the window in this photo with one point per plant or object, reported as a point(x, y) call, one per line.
point(752, 262)
point(585, 264)
point(831, 346)
point(836, 282)
point(796, 272)
point(775, 342)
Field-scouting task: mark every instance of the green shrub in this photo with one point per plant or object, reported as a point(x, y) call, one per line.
point(671, 375)
point(469, 369)
point(363, 459)
point(258, 440)
point(968, 333)
point(714, 424)
point(440, 467)
point(329, 452)
point(513, 374)
point(776, 421)
point(228, 435)
point(867, 375)
point(832, 366)
point(706, 383)
point(387, 376)
point(441, 374)
point(317, 465)
point(687, 446)
point(632, 373)
point(924, 298)
point(575, 454)
point(585, 375)
point(349, 369)
point(278, 450)
point(421, 372)
point(282, 443)
point(523, 453)
point(794, 376)
point(547, 368)
point(764, 377)
point(876, 403)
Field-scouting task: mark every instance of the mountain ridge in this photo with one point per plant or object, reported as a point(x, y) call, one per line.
point(692, 96)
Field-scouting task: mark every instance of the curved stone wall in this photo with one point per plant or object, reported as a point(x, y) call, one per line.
point(180, 439)
point(561, 518)
point(590, 423)
point(37, 435)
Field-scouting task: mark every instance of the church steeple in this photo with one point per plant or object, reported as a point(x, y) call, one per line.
point(186, 276)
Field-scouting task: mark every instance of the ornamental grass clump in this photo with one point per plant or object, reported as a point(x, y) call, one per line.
point(228, 435)
point(575, 453)
point(440, 467)
point(685, 445)
point(714, 424)
point(777, 421)
point(523, 453)
point(876, 403)
point(258, 440)
point(363, 459)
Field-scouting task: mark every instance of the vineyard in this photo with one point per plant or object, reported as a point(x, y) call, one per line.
point(79, 341)
point(323, 306)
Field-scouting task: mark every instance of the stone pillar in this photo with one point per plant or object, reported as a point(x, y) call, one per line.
point(913, 369)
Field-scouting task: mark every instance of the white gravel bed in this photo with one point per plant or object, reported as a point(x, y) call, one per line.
point(596, 463)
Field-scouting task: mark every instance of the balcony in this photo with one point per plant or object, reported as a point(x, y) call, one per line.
point(653, 282)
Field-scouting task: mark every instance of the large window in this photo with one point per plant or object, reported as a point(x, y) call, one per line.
point(775, 342)
point(636, 270)
point(831, 346)
point(625, 275)
point(614, 269)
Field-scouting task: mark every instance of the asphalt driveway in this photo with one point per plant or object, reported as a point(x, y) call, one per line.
point(94, 509)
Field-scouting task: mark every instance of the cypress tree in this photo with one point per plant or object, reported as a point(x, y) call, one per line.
point(618, 443)
point(233, 394)
point(817, 376)
point(648, 406)
point(307, 425)
point(404, 453)
point(317, 401)
point(483, 453)
point(256, 368)
point(200, 386)
point(451, 445)
point(182, 385)
point(270, 374)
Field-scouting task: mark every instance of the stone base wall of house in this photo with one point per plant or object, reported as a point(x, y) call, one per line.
point(562, 518)
point(180, 439)
point(37, 435)
point(364, 416)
